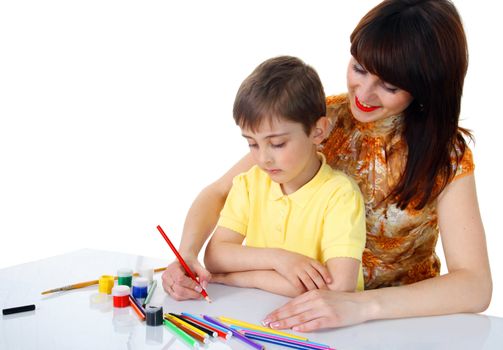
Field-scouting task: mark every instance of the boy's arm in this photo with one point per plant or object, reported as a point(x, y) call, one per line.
point(344, 236)
point(268, 280)
point(344, 273)
point(225, 253)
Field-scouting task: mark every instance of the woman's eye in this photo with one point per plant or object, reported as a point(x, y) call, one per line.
point(390, 88)
point(358, 68)
point(279, 145)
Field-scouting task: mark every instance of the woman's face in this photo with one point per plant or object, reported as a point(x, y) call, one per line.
point(371, 98)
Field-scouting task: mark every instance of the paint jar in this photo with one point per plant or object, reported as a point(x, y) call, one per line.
point(120, 295)
point(106, 283)
point(140, 288)
point(147, 273)
point(125, 276)
point(154, 315)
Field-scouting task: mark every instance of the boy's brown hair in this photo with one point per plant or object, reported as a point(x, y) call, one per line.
point(282, 87)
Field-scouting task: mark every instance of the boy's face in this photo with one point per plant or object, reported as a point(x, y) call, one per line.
point(283, 150)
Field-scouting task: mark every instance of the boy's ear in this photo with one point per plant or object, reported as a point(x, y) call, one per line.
point(320, 130)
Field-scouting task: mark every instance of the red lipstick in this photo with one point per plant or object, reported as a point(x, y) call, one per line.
point(364, 108)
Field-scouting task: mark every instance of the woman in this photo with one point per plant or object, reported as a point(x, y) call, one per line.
point(396, 132)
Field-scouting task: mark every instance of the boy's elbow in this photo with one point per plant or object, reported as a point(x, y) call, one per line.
point(341, 285)
point(209, 260)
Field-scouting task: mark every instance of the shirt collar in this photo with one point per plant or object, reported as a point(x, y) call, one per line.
point(302, 196)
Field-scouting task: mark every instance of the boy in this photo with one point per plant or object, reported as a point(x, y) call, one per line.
point(295, 213)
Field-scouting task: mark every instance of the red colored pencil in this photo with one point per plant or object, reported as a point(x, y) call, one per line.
point(182, 262)
point(207, 325)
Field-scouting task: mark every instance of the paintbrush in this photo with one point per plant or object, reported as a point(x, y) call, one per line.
point(87, 283)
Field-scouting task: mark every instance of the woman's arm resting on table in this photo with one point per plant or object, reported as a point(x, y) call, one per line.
point(199, 223)
point(225, 253)
point(467, 287)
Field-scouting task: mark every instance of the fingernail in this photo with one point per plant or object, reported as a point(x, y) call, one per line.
point(266, 322)
point(274, 325)
point(198, 289)
point(204, 284)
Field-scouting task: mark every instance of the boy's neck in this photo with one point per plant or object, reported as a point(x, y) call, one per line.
point(307, 175)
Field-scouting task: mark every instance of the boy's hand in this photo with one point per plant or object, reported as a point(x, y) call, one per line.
point(301, 271)
point(180, 286)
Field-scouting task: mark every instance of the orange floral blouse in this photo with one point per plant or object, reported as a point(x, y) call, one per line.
point(400, 247)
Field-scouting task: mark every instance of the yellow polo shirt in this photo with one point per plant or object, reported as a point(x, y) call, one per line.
point(323, 219)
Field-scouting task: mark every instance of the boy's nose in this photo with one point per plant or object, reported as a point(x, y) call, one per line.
point(265, 157)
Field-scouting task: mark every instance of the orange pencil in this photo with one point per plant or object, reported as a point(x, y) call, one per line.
point(140, 314)
point(183, 263)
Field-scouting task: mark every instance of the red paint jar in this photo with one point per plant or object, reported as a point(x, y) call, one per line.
point(121, 296)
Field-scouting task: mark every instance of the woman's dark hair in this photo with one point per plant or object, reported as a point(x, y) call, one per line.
point(420, 47)
point(280, 87)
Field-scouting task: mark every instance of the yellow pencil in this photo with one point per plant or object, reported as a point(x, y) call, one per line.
point(177, 320)
point(87, 283)
point(259, 328)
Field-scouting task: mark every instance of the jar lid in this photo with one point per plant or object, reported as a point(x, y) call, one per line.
point(121, 290)
point(125, 272)
point(140, 282)
point(147, 273)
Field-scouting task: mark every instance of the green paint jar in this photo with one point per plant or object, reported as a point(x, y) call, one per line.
point(125, 277)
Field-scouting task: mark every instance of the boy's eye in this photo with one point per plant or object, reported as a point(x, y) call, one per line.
point(279, 145)
point(252, 145)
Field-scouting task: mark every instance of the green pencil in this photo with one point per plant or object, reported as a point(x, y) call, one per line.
point(184, 336)
point(150, 292)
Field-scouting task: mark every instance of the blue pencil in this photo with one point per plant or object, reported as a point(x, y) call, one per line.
point(235, 333)
point(277, 342)
point(286, 341)
point(279, 337)
point(225, 330)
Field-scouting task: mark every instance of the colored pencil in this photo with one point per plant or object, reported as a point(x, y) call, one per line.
point(187, 328)
point(135, 301)
point(181, 334)
point(259, 328)
point(204, 329)
point(272, 341)
point(137, 310)
point(183, 263)
point(150, 292)
point(235, 333)
point(305, 344)
point(177, 320)
point(219, 332)
point(88, 283)
point(223, 329)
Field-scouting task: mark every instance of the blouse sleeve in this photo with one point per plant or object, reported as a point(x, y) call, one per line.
point(465, 166)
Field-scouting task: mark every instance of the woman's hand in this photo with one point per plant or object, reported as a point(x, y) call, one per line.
point(301, 271)
point(318, 309)
point(180, 286)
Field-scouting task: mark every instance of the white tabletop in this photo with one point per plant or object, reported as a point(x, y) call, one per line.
point(82, 319)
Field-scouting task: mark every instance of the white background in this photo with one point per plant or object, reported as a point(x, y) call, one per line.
point(115, 114)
